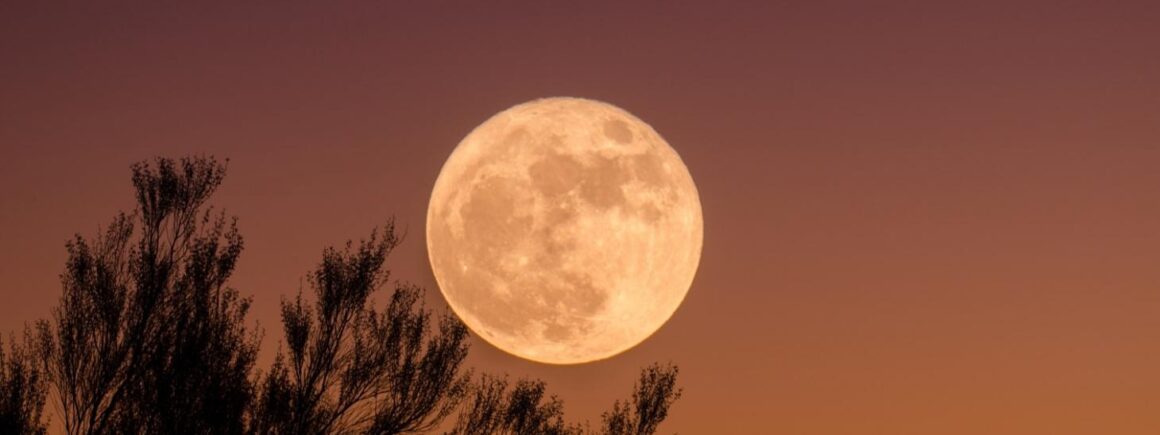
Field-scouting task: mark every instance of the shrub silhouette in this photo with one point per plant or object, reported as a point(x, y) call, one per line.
point(524, 409)
point(494, 409)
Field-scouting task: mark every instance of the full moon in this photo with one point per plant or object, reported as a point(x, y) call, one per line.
point(564, 230)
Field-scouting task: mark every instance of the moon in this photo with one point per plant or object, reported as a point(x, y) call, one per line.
point(564, 230)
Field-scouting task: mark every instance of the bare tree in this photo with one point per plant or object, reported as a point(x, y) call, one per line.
point(351, 368)
point(22, 390)
point(147, 337)
point(651, 398)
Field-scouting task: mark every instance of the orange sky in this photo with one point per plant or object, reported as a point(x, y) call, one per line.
point(919, 218)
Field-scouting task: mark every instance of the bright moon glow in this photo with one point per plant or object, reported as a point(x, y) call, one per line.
point(564, 230)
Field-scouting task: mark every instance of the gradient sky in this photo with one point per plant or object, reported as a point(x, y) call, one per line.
point(920, 218)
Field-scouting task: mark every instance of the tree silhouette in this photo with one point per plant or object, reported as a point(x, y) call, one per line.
point(651, 398)
point(22, 390)
point(147, 337)
point(351, 368)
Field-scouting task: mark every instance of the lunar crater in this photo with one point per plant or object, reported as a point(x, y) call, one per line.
point(618, 131)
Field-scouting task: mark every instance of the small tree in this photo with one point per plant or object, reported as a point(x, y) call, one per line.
point(147, 337)
point(651, 398)
point(22, 390)
point(351, 368)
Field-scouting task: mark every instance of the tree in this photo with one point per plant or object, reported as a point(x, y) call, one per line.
point(351, 368)
point(22, 390)
point(147, 337)
point(651, 398)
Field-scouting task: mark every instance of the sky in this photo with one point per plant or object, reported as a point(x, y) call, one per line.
point(919, 217)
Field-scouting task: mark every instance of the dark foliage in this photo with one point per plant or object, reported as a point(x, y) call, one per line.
point(651, 398)
point(353, 369)
point(147, 337)
point(524, 409)
point(22, 390)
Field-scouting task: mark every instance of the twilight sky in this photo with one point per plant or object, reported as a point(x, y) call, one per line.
point(919, 218)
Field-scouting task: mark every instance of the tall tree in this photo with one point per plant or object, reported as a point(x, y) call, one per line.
point(22, 390)
point(147, 337)
point(352, 368)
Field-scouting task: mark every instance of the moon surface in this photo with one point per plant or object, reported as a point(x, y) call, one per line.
point(564, 230)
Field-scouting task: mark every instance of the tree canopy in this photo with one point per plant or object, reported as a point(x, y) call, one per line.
point(148, 337)
point(22, 390)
